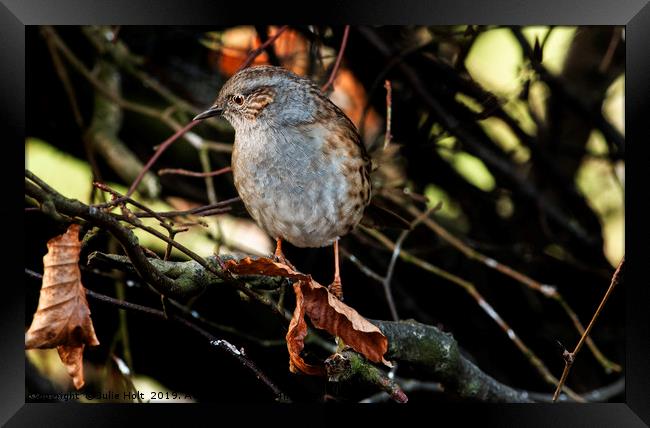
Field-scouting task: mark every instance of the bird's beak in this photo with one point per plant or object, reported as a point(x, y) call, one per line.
point(212, 111)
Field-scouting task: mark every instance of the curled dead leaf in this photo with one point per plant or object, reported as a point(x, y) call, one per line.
point(329, 313)
point(296, 338)
point(62, 319)
point(264, 266)
point(325, 311)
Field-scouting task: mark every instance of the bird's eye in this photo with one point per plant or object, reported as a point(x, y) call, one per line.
point(238, 99)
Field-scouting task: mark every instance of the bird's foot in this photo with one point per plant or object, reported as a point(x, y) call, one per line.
point(279, 256)
point(336, 288)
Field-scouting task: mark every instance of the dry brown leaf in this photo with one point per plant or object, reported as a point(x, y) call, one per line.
point(264, 266)
point(325, 311)
point(330, 314)
point(62, 319)
point(296, 338)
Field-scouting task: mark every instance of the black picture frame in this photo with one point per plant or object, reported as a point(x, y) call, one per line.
point(633, 14)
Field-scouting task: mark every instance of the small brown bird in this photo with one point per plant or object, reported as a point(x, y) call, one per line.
point(298, 162)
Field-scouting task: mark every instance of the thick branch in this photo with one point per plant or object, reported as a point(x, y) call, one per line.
point(188, 272)
point(424, 346)
point(55, 204)
point(437, 353)
point(129, 242)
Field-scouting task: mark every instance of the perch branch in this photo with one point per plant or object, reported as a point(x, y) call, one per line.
point(55, 204)
point(437, 353)
point(403, 339)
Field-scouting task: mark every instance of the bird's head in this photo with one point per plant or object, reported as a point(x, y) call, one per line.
point(265, 96)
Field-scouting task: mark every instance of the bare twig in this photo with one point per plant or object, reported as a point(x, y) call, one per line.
point(339, 57)
point(363, 268)
point(569, 357)
point(263, 32)
point(386, 281)
point(609, 55)
point(204, 210)
point(389, 112)
point(407, 385)
point(256, 52)
point(217, 234)
point(179, 171)
point(159, 152)
point(389, 275)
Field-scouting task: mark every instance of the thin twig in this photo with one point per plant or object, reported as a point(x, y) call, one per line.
point(407, 385)
point(389, 113)
point(255, 53)
point(180, 171)
point(217, 234)
point(363, 268)
point(569, 357)
point(613, 44)
point(203, 210)
point(389, 275)
point(159, 152)
point(339, 57)
point(225, 328)
point(386, 281)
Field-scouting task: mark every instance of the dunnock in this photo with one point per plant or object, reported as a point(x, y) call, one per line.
point(298, 162)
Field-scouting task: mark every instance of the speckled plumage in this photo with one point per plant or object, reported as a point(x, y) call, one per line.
point(298, 163)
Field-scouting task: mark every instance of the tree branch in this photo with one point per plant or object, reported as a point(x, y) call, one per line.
point(437, 353)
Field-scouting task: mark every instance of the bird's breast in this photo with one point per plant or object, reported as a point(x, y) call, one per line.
point(299, 186)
